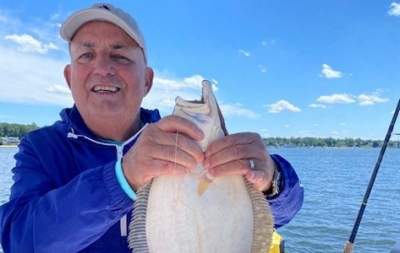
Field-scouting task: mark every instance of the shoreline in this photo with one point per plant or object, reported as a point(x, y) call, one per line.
point(9, 146)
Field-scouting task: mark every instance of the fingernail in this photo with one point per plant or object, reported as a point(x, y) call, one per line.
point(252, 175)
point(201, 159)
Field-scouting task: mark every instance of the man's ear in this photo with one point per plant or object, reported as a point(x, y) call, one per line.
point(149, 75)
point(67, 75)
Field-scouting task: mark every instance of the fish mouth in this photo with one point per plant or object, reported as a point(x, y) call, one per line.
point(105, 89)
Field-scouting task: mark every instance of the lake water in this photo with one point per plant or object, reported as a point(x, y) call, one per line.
point(335, 182)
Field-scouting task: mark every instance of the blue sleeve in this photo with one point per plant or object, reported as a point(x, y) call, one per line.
point(41, 217)
point(290, 198)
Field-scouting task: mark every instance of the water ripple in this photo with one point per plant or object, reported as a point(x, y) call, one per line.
point(335, 182)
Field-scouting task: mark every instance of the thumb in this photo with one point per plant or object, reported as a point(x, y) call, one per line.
point(258, 179)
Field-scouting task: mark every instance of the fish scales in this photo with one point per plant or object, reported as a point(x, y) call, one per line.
point(196, 213)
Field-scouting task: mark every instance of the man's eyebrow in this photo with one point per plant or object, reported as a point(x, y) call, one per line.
point(118, 46)
point(79, 46)
point(87, 44)
point(113, 46)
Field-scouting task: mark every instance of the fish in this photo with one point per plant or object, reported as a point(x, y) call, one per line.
point(195, 212)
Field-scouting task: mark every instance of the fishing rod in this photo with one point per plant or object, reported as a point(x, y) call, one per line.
point(350, 243)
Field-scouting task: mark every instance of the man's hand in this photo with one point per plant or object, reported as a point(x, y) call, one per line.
point(232, 154)
point(165, 147)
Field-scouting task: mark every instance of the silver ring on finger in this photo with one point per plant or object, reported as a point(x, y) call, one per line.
point(252, 164)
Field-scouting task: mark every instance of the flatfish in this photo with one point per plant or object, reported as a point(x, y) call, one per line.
point(195, 212)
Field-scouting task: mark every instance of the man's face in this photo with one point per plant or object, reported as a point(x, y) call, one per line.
point(107, 76)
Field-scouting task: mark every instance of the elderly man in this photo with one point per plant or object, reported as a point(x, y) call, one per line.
point(75, 181)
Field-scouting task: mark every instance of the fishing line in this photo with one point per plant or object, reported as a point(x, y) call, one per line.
point(176, 142)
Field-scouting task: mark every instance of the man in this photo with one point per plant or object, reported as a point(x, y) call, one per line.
point(72, 190)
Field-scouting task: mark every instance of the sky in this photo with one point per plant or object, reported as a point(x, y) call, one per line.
point(315, 68)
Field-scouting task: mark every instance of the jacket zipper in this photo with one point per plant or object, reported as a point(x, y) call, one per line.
point(120, 152)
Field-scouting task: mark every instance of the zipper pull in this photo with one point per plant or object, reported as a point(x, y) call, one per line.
point(72, 135)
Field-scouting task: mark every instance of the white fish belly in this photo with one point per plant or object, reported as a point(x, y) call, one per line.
point(179, 220)
point(195, 213)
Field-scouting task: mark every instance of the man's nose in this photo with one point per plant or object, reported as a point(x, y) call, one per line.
point(104, 65)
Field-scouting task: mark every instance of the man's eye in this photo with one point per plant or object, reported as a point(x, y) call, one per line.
point(121, 58)
point(85, 55)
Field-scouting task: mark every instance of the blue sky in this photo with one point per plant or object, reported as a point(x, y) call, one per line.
point(319, 68)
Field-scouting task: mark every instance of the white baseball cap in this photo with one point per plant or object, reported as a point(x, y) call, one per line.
point(103, 12)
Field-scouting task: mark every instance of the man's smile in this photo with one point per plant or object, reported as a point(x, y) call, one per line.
point(104, 88)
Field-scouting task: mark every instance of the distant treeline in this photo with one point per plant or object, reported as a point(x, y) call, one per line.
point(18, 130)
point(15, 130)
point(327, 142)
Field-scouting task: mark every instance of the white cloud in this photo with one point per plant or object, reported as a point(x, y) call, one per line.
point(317, 106)
point(31, 71)
point(266, 43)
point(372, 99)
point(192, 82)
point(3, 19)
point(167, 103)
point(363, 99)
point(245, 53)
point(394, 9)
point(163, 98)
point(34, 80)
point(281, 106)
point(262, 69)
point(29, 44)
point(171, 84)
point(238, 110)
point(214, 81)
point(329, 73)
point(58, 89)
point(336, 99)
point(165, 90)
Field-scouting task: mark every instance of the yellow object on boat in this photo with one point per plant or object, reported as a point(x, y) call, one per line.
point(278, 244)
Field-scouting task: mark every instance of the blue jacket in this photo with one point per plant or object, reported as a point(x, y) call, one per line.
point(66, 197)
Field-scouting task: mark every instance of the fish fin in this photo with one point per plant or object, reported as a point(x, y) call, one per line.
point(203, 184)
